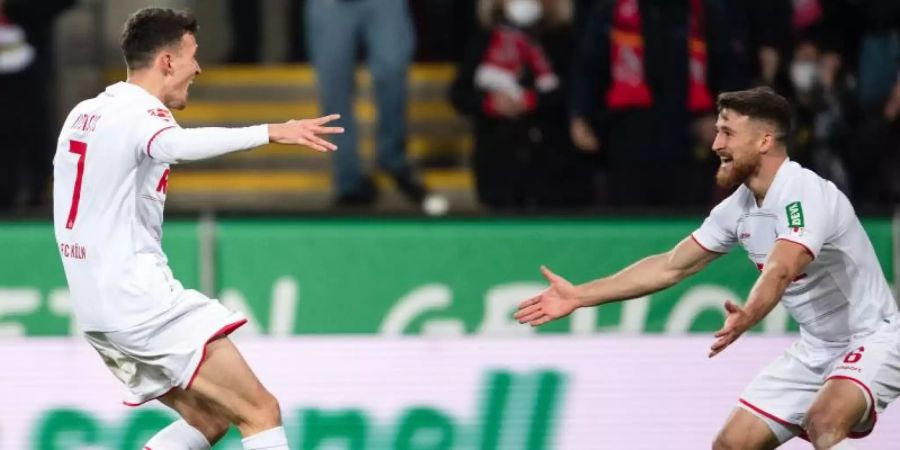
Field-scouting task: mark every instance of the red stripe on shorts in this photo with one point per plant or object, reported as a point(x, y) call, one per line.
point(224, 331)
point(872, 414)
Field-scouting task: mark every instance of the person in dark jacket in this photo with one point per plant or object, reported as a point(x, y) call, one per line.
point(27, 118)
point(645, 79)
point(512, 84)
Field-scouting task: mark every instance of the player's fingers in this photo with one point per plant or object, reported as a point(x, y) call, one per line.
point(311, 144)
point(531, 315)
point(722, 332)
point(321, 142)
point(326, 119)
point(328, 130)
point(548, 274)
point(717, 347)
point(731, 306)
point(527, 310)
point(540, 321)
point(529, 302)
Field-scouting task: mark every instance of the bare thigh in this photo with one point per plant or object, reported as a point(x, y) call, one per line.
point(227, 382)
point(838, 407)
point(745, 431)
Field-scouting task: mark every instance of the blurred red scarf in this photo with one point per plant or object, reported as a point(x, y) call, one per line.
point(629, 87)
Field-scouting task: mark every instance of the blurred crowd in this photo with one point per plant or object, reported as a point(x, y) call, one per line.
point(574, 104)
point(612, 102)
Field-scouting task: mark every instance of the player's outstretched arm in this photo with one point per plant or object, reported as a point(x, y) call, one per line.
point(175, 144)
point(649, 275)
point(786, 261)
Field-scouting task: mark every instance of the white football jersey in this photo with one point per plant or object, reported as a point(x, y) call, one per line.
point(842, 293)
point(109, 190)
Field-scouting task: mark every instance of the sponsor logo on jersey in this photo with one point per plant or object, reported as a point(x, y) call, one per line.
point(795, 216)
point(162, 113)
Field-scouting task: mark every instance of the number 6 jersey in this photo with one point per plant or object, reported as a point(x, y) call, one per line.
point(110, 180)
point(842, 293)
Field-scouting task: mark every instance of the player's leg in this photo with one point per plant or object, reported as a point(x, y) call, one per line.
point(838, 408)
point(745, 431)
point(200, 426)
point(227, 382)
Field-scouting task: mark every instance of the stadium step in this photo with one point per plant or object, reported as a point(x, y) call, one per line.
point(285, 178)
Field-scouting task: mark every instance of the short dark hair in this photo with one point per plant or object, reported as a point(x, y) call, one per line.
point(151, 29)
point(760, 103)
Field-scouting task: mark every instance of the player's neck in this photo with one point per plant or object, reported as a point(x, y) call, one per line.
point(760, 183)
point(146, 80)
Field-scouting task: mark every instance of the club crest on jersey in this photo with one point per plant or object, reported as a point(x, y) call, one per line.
point(795, 217)
point(162, 113)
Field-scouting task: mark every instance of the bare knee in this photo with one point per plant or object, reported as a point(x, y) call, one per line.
point(825, 428)
point(212, 425)
point(262, 413)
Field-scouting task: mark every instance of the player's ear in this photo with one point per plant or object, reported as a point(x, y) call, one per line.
point(165, 61)
point(768, 141)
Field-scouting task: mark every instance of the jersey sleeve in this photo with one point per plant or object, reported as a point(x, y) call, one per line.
point(150, 122)
point(190, 144)
point(803, 214)
point(717, 233)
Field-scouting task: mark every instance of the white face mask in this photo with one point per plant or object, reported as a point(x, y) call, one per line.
point(804, 75)
point(523, 13)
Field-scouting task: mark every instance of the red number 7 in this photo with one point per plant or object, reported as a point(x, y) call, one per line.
point(80, 149)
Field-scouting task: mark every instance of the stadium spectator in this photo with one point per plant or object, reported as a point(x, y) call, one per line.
point(822, 102)
point(512, 86)
point(28, 117)
point(646, 70)
point(879, 54)
point(875, 163)
point(334, 30)
point(246, 18)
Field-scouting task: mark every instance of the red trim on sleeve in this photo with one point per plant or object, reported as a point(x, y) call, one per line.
point(150, 142)
point(703, 246)
point(872, 413)
point(224, 331)
point(811, 254)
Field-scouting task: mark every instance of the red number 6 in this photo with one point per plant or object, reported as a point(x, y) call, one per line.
point(854, 356)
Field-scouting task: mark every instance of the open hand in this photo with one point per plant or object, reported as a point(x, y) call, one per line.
point(735, 325)
point(306, 132)
point(558, 300)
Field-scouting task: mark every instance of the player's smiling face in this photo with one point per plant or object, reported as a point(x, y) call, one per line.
point(183, 67)
point(737, 144)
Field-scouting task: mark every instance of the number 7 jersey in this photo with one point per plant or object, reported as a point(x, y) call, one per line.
point(108, 198)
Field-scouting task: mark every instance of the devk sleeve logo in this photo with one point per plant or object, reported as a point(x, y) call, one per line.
point(795, 217)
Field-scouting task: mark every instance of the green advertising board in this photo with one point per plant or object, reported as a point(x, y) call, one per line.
point(410, 277)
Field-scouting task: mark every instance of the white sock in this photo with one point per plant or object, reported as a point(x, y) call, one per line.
point(271, 439)
point(178, 436)
point(843, 445)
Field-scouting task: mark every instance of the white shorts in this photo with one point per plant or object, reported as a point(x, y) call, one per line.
point(782, 393)
point(165, 352)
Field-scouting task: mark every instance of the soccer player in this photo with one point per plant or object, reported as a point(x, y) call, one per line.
point(813, 256)
point(111, 172)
